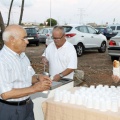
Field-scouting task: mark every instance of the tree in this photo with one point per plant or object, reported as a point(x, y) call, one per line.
point(2, 26)
point(41, 24)
point(10, 12)
point(53, 22)
point(21, 14)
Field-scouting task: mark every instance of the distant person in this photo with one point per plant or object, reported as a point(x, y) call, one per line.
point(116, 74)
point(17, 77)
point(60, 55)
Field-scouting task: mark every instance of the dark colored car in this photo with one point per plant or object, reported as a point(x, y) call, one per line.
point(108, 32)
point(32, 36)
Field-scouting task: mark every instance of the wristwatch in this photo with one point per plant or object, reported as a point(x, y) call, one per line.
point(61, 75)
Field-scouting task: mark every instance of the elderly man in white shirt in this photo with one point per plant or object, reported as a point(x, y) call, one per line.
point(17, 77)
point(60, 55)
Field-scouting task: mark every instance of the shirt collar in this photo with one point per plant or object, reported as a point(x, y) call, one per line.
point(12, 53)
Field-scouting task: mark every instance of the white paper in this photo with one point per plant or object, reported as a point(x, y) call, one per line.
point(116, 71)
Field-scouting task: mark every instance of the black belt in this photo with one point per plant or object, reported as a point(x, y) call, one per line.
point(16, 103)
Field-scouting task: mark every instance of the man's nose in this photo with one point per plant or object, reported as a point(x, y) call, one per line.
point(26, 41)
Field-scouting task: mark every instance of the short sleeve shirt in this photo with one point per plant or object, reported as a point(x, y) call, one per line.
point(15, 71)
point(61, 59)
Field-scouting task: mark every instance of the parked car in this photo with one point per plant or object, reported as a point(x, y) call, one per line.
point(32, 35)
point(115, 27)
point(44, 33)
point(83, 37)
point(108, 32)
point(114, 47)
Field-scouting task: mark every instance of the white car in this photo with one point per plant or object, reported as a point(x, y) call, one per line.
point(83, 37)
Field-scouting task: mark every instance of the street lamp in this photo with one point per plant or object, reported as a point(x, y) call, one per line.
point(50, 13)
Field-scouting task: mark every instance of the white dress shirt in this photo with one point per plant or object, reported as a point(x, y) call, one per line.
point(15, 71)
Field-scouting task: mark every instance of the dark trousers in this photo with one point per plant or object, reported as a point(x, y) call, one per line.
point(10, 112)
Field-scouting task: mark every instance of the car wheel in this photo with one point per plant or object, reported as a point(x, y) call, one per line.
point(114, 58)
point(79, 49)
point(37, 44)
point(102, 48)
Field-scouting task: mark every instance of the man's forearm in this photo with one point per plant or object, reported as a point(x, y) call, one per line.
point(67, 71)
point(18, 93)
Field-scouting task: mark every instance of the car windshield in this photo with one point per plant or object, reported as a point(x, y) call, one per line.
point(30, 30)
point(67, 28)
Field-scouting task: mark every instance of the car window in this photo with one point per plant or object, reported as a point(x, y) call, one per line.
point(45, 31)
point(83, 29)
point(31, 30)
point(50, 30)
point(109, 29)
point(91, 30)
point(41, 31)
point(118, 27)
point(67, 28)
point(77, 28)
point(112, 27)
point(118, 34)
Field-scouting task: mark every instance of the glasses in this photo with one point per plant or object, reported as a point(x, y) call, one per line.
point(57, 38)
point(24, 38)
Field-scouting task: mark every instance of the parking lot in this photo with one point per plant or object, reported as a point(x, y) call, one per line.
point(96, 66)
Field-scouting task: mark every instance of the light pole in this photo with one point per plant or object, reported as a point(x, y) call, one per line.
point(50, 13)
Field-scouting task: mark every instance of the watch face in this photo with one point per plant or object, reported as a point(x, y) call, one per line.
point(61, 75)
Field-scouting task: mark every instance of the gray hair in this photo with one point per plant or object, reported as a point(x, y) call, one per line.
point(59, 28)
point(7, 34)
point(11, 31)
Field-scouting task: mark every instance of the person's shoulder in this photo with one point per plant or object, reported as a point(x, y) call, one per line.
point(51, 45)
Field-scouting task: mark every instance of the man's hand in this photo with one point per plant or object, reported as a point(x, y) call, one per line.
point(43, 84)
point(115, 78)
point(44, 60)
point(43, 77)
point(56, 77)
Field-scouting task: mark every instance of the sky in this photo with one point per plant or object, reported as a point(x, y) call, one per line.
point(64, 11)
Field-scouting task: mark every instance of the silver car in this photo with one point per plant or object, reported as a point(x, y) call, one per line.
point(44, 33)
point(114, 47)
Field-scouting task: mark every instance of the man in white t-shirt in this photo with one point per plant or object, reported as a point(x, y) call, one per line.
point(60, 55)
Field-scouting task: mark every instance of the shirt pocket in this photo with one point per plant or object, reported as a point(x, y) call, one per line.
point(29, 73)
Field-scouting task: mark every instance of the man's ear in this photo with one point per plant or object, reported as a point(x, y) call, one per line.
point(12, 40)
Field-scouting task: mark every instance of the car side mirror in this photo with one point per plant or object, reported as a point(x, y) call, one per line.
point(98, 32)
